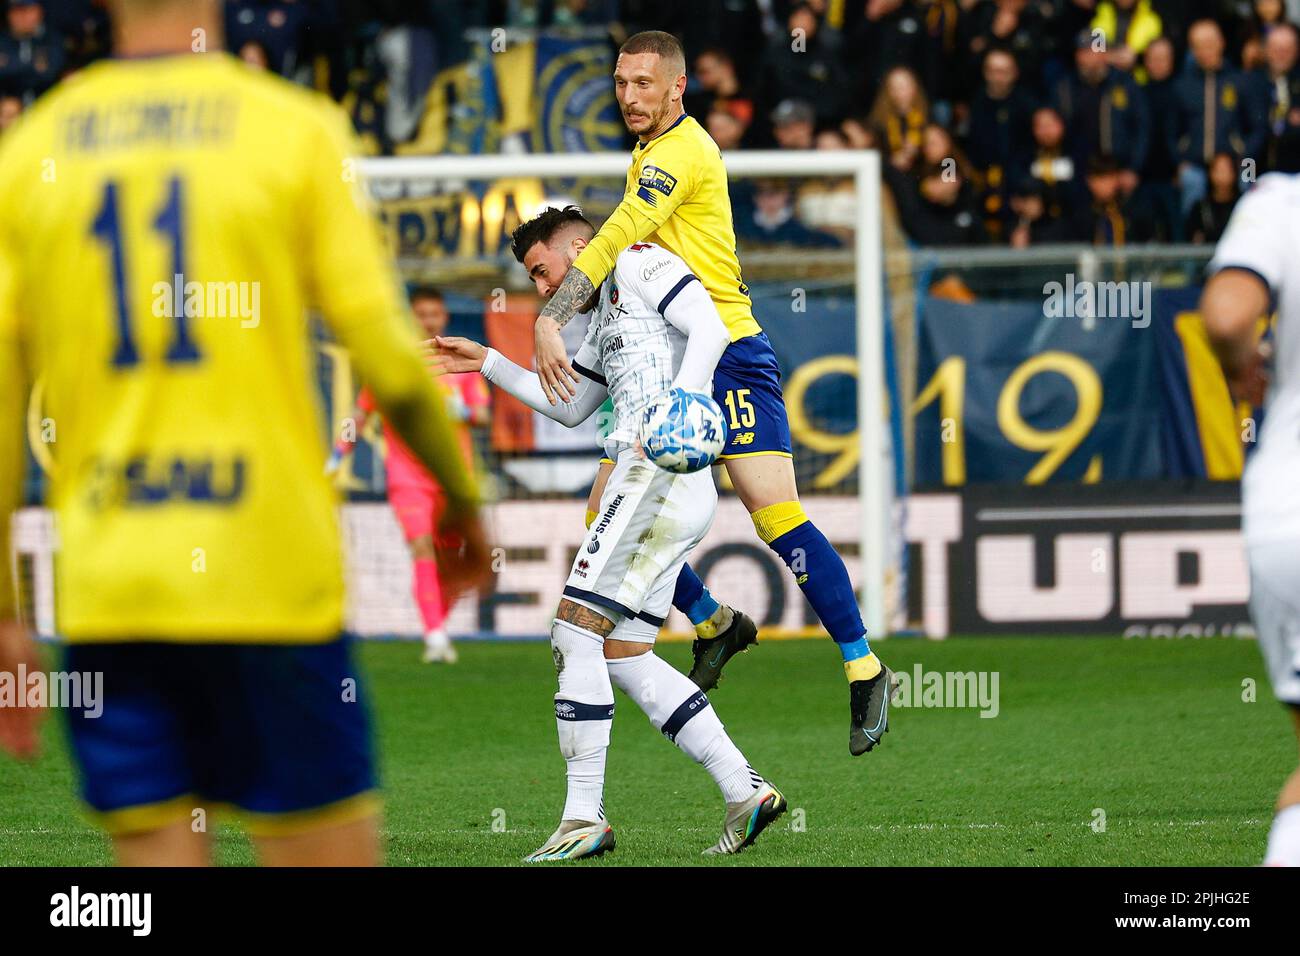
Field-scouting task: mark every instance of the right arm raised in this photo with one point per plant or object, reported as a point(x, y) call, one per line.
point(457, 354)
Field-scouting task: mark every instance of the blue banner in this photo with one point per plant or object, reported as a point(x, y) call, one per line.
point(1007, 392)
point(574, 99)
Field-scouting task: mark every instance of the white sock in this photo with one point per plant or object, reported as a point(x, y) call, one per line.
point(1284, 838)
point(584, 712)
point(682, 713)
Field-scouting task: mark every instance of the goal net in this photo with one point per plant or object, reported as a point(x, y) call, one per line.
point(808, 227)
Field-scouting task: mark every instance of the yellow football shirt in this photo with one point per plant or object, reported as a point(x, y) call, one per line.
point(165, 226)
point(676, 196)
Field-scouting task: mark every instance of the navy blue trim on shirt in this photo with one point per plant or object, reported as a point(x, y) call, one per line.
point(672, 294)
point(594, 376)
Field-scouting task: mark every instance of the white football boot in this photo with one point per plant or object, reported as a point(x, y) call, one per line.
point(438, 648)
point(574, 840)
point(747, 819)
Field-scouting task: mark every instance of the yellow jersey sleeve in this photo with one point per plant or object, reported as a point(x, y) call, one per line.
point(354, 288)
point(660, 188)
point(13, 394)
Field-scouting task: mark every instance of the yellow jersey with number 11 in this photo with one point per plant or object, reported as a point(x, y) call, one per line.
point(165, 224)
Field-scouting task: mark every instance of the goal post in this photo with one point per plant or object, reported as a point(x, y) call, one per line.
point(863, 166)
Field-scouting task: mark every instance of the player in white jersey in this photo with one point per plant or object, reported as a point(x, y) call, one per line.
point(1256, 266)
point(652, 327)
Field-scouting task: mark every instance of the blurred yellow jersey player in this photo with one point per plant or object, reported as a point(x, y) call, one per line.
point(676, 196)
point(167, 219)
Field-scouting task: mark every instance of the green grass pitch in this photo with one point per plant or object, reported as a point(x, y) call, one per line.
point(1155, 734)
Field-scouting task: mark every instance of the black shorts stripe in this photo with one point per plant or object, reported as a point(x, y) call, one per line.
point(594, 598)
point(689, 708)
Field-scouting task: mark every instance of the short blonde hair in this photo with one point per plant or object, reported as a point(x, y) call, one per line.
point(664, 45)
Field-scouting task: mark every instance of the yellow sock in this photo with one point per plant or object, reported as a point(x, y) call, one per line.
point(775, 520)
point(863, 668)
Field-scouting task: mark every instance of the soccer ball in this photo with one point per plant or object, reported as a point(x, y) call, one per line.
point(682, 431)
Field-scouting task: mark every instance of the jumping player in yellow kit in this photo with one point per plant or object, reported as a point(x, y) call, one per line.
point(166, 219)
point(677, 197)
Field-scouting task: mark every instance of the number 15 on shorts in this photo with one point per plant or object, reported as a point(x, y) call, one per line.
point(740, 415)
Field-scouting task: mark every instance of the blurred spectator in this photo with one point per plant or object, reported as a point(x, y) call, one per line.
point(1252, 36)
point(1279, 98)
point(1001, 117)
point(1209, 217)
point(898, 118)
point(11, 107)
point(1000, 142)
point(800, 64)
point(1111, 219)
point(883, 34)
point(31, 54)
point(1157, 190)
point(1213, 112)
point(939, 208)
point(725, 126)
point(1013, 25)
point(1104, 111)
point(718, 87)
point(792, 124)
point(254, 54)
point(829, 203)
point(83, 24)
point(1127, 27)
point(277, 27)
point(771, 219)
point(856, 133)
point(938, 57)
point(1052, 166)
point(1036, 221)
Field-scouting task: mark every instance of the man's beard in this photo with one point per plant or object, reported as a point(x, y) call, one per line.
point(653, 117)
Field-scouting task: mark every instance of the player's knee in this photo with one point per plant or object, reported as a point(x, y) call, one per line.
point(577, 635)
point(422, 548)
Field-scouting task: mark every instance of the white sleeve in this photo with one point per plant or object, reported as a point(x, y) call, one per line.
point(693, 313)
point(1256, 239)
point(655, 275)
point(524, 385)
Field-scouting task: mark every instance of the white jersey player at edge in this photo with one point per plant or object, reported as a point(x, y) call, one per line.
point(1256, 266)
point(652, 327)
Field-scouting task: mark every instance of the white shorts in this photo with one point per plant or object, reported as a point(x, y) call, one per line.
point(1275, 609)
point(649, 520)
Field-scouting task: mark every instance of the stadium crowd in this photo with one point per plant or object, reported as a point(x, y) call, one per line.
point(1002, 121)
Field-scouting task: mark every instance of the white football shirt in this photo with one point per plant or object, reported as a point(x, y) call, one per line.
point(629, 345)
point(1263, 237)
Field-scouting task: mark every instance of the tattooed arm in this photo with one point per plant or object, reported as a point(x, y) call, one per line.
point(551, 358)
